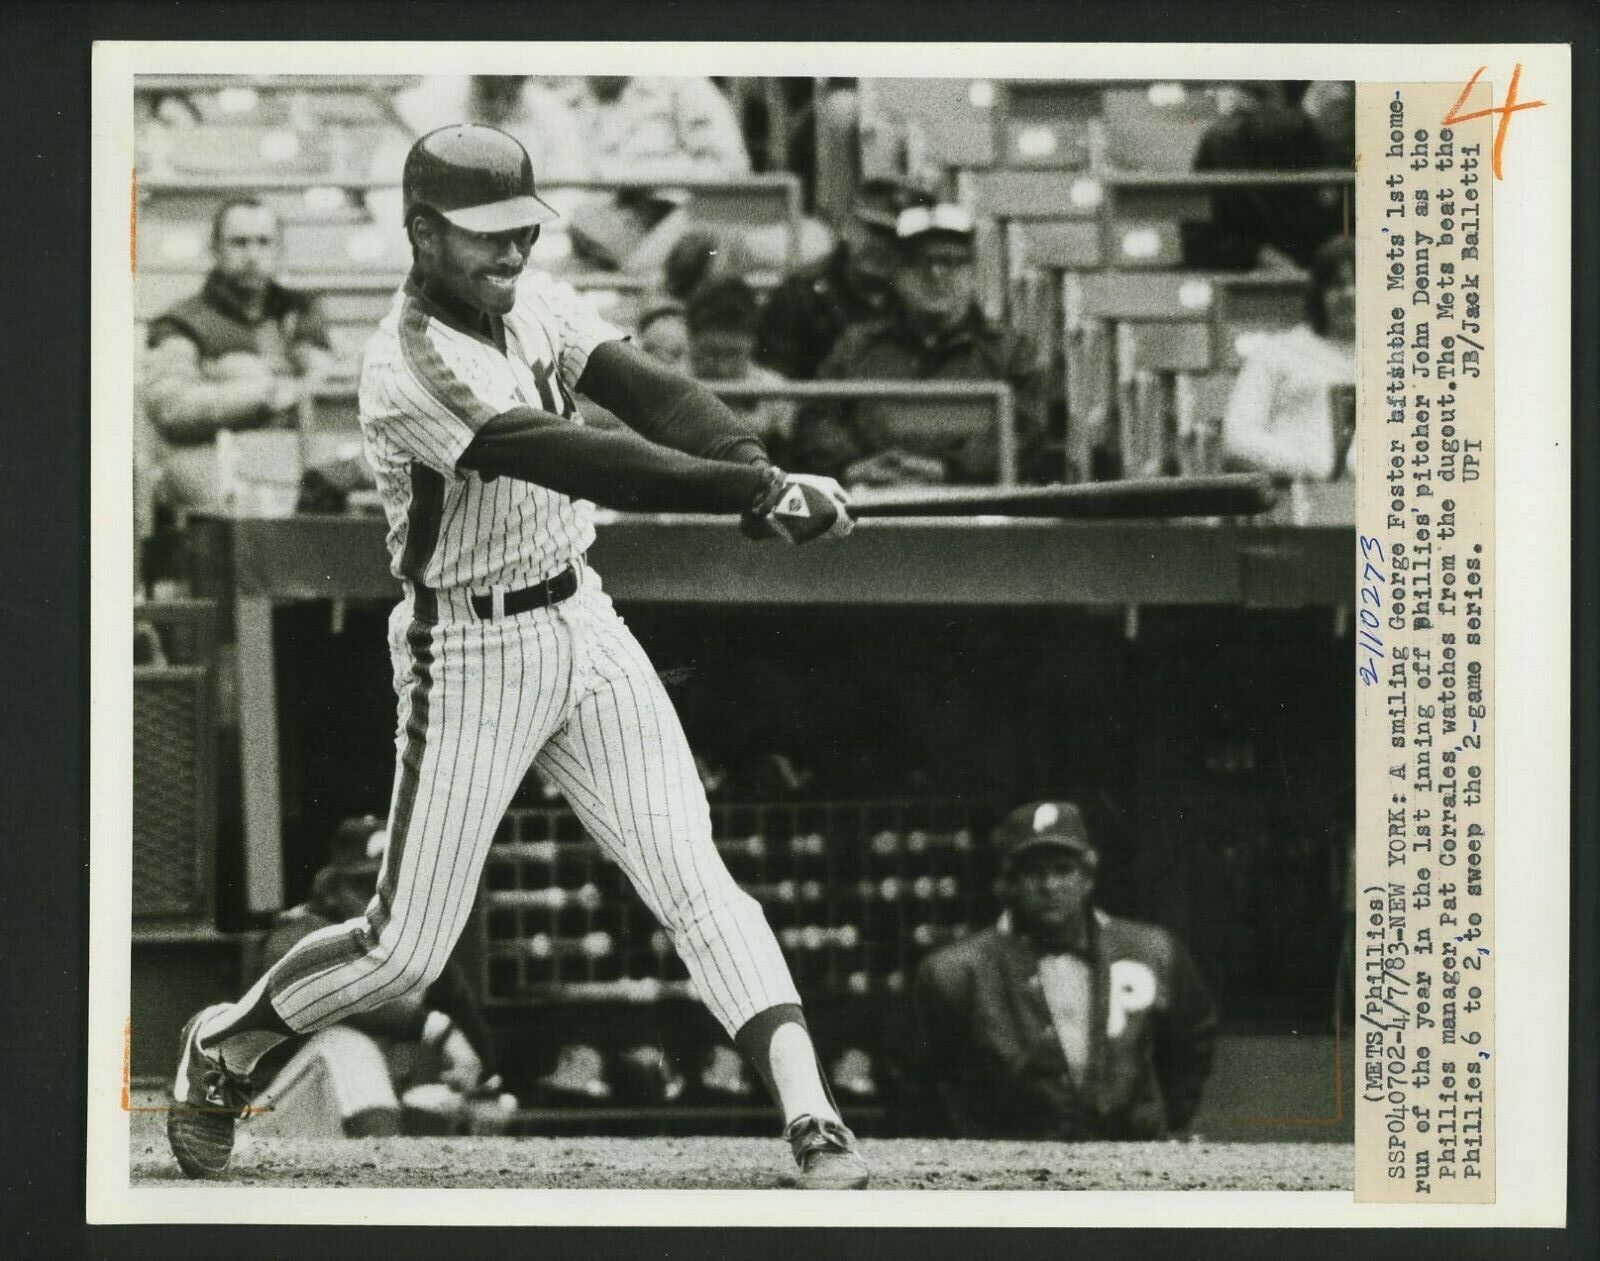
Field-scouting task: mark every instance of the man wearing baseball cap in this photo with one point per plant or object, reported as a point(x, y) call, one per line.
point(805, 314)
point(1061, 1021)
point(932, 329)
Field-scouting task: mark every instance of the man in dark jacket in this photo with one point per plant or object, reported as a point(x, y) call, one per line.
point(411, 1063)
point(1267, 131)
point(934, 330)
point(805, 314)
point(238, 355)
point(1061, 1022)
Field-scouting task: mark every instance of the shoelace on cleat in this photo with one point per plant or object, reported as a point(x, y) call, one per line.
point(226, 1090)
point(824, 1136)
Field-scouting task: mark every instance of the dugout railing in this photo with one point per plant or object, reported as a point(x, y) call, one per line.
point(960, 410)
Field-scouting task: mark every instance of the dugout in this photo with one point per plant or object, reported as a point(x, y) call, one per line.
point(1185, 681)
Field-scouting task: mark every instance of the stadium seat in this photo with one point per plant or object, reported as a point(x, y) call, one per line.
point(242, 151)
point(1252, 306)
point(1050, 123)
point(278, 98)
point(744, 204)
point(763, 210)
point(1124, 295)
point(313, 248)
point(307, 150)
point(1136, 243)
point(1157, 127)
point(174, 222)
point(1033, 194)
point(349, 341)
point(155, 291)
point(1200, 400)
point(1067, 245)
point(1203, 396)
point(362, 301)
point(950, 120)
point(1175, 347)
point(330, 426)
point(613, 298)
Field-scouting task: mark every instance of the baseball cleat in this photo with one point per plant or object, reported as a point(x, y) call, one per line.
point(207, 1101)
point(826, 1152)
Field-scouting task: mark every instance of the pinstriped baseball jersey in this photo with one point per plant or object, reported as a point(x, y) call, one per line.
point(429, 382)
point(481, 699)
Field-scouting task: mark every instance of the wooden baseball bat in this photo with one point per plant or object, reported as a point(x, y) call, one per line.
point(1223, 495)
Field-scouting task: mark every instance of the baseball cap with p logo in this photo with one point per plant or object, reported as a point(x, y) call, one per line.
point(1043, 824)
point(477, 177)
point(945, 219)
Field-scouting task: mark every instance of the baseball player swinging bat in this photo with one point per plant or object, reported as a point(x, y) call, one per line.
point(1234, 494)
point(507, 653)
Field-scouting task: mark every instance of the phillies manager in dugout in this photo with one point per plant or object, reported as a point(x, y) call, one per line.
point(1060, 1021)
point(507, 652)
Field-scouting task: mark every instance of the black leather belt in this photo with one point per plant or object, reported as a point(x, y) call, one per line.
point(550, 591)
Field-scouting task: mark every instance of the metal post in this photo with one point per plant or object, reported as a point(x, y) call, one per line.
point(258, 753)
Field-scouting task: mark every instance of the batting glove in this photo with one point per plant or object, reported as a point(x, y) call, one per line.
point(800, 507)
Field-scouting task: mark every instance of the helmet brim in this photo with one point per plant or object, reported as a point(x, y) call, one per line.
point(503, 216)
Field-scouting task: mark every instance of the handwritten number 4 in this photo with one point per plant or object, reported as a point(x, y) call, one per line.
point(1505, 111)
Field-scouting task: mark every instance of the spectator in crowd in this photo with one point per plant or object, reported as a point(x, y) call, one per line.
point(656, 128)
point(805, 314)
point(721, 321)
point(664, 336)
point(1292, 410)
point(933, 330)
point(648, 129)
point(413, 1064)
point(238, 355)
point(700, 255)
point(1264, 128)
point(544, 123)
point(1060, 1021)
point(1330, 104)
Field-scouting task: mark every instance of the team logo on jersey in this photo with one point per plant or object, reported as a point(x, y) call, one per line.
point(1133, 988)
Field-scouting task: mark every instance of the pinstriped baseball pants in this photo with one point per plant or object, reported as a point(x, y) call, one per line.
point(567, 688)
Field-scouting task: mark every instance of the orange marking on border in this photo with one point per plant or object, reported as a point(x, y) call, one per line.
point(127, 1087)
point(127, 1064)
point(247, 1111)
point(1511, 106)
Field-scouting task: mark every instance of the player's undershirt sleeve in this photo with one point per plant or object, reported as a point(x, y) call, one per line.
point(668, 408)
point(613, 468)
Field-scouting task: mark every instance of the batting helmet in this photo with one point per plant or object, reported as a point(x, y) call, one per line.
point(477, 177)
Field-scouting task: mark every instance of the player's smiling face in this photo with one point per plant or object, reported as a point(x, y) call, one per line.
point(480, 268)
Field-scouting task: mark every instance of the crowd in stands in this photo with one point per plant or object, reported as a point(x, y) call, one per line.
point(879, 285)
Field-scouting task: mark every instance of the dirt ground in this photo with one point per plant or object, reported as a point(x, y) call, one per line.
point(753, 1163)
